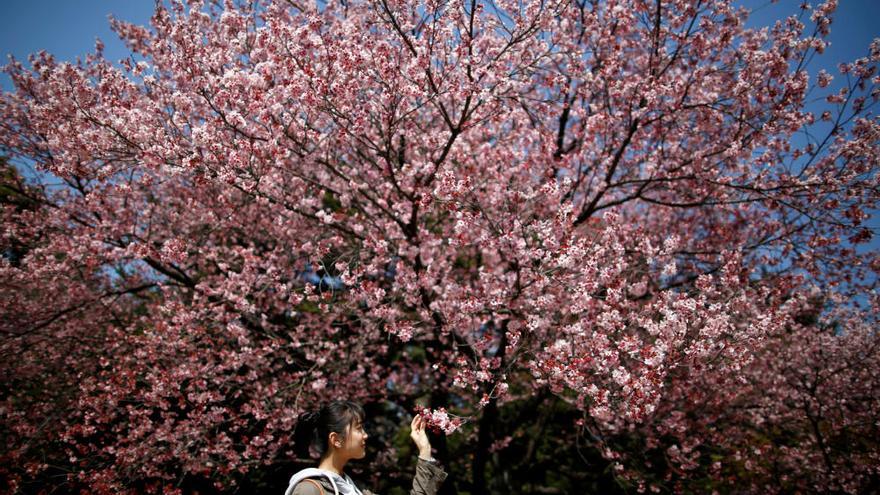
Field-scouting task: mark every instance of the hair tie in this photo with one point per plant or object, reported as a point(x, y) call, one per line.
point(310, 417)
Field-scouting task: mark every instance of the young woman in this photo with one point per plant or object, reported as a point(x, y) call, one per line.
point(337, 430)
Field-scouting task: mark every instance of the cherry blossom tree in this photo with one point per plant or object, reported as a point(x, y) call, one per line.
point(621, 207)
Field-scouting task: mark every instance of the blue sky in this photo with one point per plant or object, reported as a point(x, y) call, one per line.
point(68, 29)
point(64, 28)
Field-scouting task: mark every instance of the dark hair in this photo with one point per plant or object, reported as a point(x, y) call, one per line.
point(316, 426)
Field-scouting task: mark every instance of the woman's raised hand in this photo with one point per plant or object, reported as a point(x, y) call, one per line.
point(419, 436)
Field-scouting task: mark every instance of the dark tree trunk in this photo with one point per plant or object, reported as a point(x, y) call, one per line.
point(488, 420)
point(484, 440)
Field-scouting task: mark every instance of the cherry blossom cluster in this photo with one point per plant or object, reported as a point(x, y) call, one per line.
point(439, 420)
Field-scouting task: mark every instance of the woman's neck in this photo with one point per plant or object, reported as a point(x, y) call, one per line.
point(333, 464)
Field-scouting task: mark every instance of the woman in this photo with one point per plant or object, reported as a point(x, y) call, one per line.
point(337, 430)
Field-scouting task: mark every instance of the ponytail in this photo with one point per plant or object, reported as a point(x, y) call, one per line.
point(304, 433)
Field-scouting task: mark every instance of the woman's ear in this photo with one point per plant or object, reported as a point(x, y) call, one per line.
point(333, 440)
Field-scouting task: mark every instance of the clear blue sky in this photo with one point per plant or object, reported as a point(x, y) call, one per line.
point(68, 28)
point(65, 28)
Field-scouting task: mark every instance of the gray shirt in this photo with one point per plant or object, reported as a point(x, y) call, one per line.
point(429, 476)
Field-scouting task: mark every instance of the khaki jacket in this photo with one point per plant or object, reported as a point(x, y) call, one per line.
point(429, 477)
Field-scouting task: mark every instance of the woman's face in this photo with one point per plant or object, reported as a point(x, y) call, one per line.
point(355, 445)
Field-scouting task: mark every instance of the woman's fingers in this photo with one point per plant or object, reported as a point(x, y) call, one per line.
point(420, 437)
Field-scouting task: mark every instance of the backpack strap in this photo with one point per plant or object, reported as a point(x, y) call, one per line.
point(307, 473)
point(316, 484)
